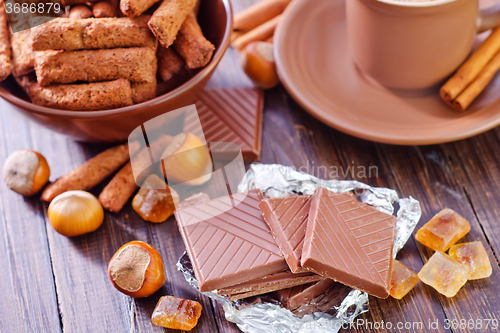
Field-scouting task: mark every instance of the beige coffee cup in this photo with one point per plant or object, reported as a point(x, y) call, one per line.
point(414, 44)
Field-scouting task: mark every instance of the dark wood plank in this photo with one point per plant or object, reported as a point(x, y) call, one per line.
point(424, 172)
point(80, 263)
point(350, 158)
point(28, 302)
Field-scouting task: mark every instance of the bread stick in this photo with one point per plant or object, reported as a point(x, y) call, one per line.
point(5, 48)
point(142, 92)
point(134, 8)
point(123, 185)
point(137, 64)
point(169, 63)
point(80, 12)
point(93, 33)
point(168, 18)
point(26, 81)
point(191, 45)
point(80, 97)
point(91, 173)
point(22, 53)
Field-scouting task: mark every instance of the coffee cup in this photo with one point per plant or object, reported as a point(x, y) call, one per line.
point(412, 44)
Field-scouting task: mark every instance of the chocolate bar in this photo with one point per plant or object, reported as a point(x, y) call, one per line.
point(268, 284)
point(228, 241)
point(349, 242)
point(292, 298)
point(287, 219)
point(231, 115)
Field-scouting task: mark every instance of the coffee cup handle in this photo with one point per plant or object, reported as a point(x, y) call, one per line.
point(489, 18)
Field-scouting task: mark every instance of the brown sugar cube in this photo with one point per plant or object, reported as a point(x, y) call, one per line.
point(474, 256)
point(444, 274)
point(155, 201)
point(403, 280)
point(443, 230)
point(176, 313)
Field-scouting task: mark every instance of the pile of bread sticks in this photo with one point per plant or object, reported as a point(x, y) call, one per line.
point(105, 54)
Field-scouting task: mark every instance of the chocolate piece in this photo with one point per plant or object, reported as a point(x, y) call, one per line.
point(292, 298)
point(232, 247)
point(231, 115)
point(349, 242)
point(287, 219)
point(268, 284)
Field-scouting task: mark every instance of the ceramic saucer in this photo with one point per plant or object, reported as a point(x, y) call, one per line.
point(315, 67)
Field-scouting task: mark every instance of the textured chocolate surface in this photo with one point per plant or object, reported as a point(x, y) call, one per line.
point(292, 298)
point(271, 282)
point(231, 115)
point(232, 247)
point(287, 219)
point(350, 242)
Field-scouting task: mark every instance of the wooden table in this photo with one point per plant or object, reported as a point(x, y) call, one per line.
point(51, 283)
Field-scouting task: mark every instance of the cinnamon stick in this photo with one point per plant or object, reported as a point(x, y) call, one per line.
point(471, 68)
point(258, 14)
point(463, 101)
point(261, 33)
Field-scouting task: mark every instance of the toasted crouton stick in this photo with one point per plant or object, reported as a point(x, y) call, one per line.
point(142, 92)
point(137, 64)
point(192, 45)
point(5, 49)
point(91, 173)
point(93, 33)
point(26, 81)
point(22, 53)
point(169, 63)
point(134, 8)
point(116, 194)
point(106, 8)
point(168, 18)
point(80, 12)
point(83, 97)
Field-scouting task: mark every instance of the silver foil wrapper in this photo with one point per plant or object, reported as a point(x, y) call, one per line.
point(338, 306)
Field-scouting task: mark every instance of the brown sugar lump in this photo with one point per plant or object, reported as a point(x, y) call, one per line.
point(191, 45)
point(443, 230)
point(83, 97)
point(137, 64)
point(176, 313)
point(22, 53)
point(474, 256)
point(168, 19)
point(92, 33)
point(403, 280)
point(444, 274)
point(5, 49)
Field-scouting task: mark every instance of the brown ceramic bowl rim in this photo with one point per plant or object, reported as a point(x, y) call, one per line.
point(137, 108)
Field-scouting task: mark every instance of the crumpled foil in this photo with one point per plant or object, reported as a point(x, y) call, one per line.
point(338, 306)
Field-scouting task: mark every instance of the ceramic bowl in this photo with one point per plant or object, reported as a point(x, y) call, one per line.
point(215, 18)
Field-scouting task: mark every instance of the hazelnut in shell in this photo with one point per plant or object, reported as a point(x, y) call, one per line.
point(137, 270)
point(26, 172)
point(257, 60)
point(74, 213)
point(186, 160)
